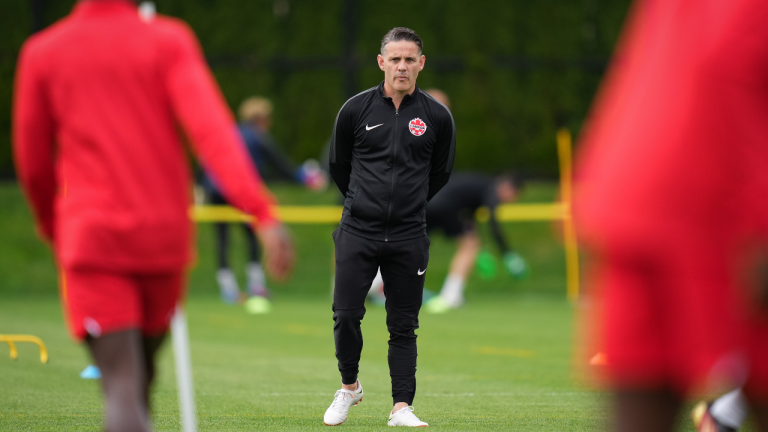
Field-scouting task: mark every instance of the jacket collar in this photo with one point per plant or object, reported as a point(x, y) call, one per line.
point(408, 99)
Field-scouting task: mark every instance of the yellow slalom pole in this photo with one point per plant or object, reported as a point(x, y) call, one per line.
point(10, 339)
point(332, 214)
point(288, 214)
point(569, 232)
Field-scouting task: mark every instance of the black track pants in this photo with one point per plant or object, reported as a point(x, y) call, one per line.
point(222, 237)
point(403, 265)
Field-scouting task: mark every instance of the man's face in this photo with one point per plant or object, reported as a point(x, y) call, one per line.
point(401, 64)
point(506, 192)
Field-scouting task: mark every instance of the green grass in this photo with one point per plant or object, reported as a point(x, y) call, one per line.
point(503, 362)
point(480, 368)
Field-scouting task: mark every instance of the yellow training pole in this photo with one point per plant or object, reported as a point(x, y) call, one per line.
point(288, 214)
point(10, 339)
point(569, 232)
point(332, 214)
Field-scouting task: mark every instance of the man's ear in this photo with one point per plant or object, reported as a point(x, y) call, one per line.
point(422, 60)
point(380, 60)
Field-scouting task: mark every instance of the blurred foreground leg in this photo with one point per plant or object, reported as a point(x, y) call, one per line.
point(151, 347)
point(760, 414)
point(119, 357)
point(644, 410)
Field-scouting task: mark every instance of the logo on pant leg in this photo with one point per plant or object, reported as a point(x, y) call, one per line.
point(421, 272)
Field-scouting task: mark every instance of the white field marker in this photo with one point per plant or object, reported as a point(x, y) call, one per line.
point(183, 362)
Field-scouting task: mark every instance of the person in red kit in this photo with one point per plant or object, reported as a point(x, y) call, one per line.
point(671, 200)
point(100, 100)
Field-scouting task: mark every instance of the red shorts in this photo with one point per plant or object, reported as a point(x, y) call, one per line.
point(682, 326)
point(99, 302)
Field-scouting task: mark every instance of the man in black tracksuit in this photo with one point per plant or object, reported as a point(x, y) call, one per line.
point(392, 150)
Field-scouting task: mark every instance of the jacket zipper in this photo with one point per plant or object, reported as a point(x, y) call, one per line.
point(394, 175)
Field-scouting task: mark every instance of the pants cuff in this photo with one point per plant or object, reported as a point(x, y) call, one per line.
point(402, 397)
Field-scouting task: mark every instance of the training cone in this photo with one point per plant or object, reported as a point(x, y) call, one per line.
point(258, 305)
point(599, 359)
point(90, 372)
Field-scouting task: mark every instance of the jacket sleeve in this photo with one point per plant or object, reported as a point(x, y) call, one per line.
point(342, 143)
point(199, 106)
point(33, 141)
point(442, 156)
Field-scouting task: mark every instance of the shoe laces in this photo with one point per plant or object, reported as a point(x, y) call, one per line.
point(339, 398)
point(408, 413)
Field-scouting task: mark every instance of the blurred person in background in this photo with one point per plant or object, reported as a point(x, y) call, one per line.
point(98, 97)
point(453, 212)
point(671, 202)
point(392, 150)
point(255, 115)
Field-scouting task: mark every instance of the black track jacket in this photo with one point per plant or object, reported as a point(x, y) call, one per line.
point(388, 163)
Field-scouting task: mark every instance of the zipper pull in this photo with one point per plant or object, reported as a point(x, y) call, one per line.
point(397, 112)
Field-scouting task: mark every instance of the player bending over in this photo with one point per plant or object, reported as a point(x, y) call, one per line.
point(452, 211)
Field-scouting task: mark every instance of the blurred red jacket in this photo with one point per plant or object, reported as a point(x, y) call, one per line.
point(673, 187)
point(101, 100)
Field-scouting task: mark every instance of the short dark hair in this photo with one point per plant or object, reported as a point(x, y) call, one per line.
point(400, 34)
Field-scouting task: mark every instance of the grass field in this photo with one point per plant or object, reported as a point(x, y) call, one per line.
point(503, 362)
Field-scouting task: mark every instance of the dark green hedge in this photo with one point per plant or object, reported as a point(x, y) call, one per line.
point(514, 69)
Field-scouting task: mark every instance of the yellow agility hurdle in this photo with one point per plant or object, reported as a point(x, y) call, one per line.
point(11, 339)
point(506, 213)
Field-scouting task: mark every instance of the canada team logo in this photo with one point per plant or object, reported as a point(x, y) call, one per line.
point(417, 127)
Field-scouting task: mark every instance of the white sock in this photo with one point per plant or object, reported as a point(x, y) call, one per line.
point(730, 409)
point(453, 289)
point(377, 285)
point(255, 274)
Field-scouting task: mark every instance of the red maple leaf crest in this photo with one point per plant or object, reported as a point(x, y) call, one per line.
point(417, 127)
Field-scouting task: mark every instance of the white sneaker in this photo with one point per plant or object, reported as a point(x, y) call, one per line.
point(439, 305)
point(228, 288)
point(405, 417)
point(336, 414)
point(257, 282)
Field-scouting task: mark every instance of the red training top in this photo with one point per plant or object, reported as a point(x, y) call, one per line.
point(673, 182)
point(100, 99)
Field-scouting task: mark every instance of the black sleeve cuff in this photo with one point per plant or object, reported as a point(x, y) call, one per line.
point(340, 175)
